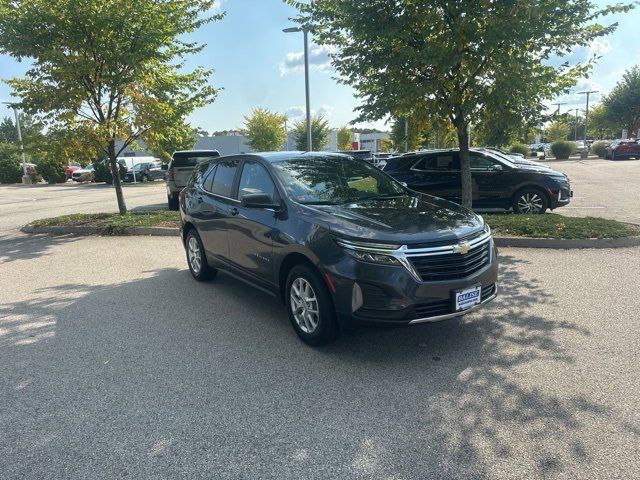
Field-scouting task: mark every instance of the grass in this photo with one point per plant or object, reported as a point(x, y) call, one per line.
point(552, 225)
point(113, 223)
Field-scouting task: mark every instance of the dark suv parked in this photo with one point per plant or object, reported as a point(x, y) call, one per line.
point(144, 172)
point(341, 242)
point(623, 149)
point(498, 182)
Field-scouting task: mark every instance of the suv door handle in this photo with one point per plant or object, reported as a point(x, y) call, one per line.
point(233, 211)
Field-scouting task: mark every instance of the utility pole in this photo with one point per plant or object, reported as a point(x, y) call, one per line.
point(26, 179)
point(575, 126)
point(558, 105)
point(406, 134)
point(306, 80)
point(585, 151)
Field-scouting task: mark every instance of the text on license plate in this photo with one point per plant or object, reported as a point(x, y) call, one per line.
point(468, 297)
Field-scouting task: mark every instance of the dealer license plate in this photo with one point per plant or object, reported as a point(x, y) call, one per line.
point(467, 297)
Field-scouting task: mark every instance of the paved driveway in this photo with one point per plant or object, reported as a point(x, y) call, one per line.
point(602, 188)
point(20, 205)
point(114, 363)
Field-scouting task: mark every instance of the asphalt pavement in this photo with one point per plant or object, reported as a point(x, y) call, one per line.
point(114, 363)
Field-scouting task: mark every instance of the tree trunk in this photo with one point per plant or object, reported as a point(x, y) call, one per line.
point(465, 169)
point(115, 173)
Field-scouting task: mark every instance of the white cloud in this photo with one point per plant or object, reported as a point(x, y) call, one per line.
point(319, 59)
point(297, 113)
point(217, 5)
point(599, 46)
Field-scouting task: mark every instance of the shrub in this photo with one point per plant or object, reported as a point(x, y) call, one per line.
point(562, 149)
point(519, 148)
point(102, 171)
point(10, 171)
point(599, 148)
point(52, 170)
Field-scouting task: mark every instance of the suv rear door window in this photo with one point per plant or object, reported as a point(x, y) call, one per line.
point(223, 178)
point(208, 181)
point(444, 162)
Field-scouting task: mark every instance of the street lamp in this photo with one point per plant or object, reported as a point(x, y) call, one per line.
point(584, 152)
point(306, 79)
point(25, 175)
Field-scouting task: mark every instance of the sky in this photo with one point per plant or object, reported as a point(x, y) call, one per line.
point(257, 65)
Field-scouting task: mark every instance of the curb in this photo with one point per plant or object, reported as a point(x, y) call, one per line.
point(565, 244)
point(80, 230)
point(515, 242)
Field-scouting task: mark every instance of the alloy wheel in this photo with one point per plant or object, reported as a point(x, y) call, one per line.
point(530, 202)
point(195, 256)
point(304, 305)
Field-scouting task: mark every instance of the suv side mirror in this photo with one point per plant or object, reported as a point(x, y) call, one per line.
point(497, 168)
point(164, 166)
point(258, 200)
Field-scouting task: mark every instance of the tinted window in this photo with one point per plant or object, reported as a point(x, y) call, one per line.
point(191, 159)
point(198, 175)
point(479, 163)
point(442, 162)
point(255, 179)
point(334, 180)
point(208, 181)
point(223, 178)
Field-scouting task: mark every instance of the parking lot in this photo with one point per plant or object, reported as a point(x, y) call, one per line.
point(114, 363)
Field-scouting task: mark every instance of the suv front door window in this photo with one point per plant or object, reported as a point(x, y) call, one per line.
point(438, 174)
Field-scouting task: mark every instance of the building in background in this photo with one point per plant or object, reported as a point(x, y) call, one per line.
point(237, 144)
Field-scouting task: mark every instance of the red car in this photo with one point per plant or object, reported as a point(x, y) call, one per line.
point(620, 149)
point(71, 169)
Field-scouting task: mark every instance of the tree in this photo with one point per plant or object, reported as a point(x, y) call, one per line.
point(173, 136)
point(319, 133)
point(622, 105)
point(600, 125)
point(110, 67)
point(265, 130)
point(409, 138)
point(344, 136)
point(558, 130)
point(454, 59)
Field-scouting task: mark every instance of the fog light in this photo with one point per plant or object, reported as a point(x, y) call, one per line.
point(356, 297)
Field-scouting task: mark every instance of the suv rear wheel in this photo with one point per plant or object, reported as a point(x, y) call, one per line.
point(310, 307)
point(196, 258)
point(530, 201)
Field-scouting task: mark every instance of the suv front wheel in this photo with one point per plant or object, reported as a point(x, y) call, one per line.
point(530, 201)
point(310, 307)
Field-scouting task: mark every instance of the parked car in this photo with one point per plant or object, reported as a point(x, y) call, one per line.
point(179, 170)
point(85, 173)
point(514, 157)
point(145, 172)
point(72, 168)
point(498, 182)
point(623, 149)
point(342, 243)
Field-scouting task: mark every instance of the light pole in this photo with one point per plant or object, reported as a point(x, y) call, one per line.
point(585, 152)
point(25, 176)
point(558, 105)
point(306, 79)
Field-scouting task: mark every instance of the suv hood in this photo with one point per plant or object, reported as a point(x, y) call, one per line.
point(405, 220)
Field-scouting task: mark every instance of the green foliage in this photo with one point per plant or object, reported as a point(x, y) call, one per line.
point(114, 68)
point(622, 105)
point(52, 169)
point(102, 171)
point(10, 171)
point(265, 130)
point(175, 135)
point(562, 149)
point(557, 131)
point(319, 133)
point(599, 148)
point(413, 139)
point(519, 148)
point(600, 125)
point(455, 60)
point(344, 138)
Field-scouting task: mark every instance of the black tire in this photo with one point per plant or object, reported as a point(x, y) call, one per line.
point(326, 329)
point(173, 203)
point(537, 200)
point(196, 258)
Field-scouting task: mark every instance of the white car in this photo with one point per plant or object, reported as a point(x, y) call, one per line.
point(77, 174)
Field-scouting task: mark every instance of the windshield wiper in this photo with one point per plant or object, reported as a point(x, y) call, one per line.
point(381, 197)
point(320, 202)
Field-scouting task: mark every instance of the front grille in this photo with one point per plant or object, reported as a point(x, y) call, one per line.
point(444, 307)
point(451, 266)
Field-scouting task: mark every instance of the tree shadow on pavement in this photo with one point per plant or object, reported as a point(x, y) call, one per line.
point(18, 246)
point(166, 377)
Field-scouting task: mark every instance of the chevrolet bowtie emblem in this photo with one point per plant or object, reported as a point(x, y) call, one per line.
point(462, 248)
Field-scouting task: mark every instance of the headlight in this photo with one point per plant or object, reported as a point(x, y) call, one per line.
point(487, 228)
point(381, 254)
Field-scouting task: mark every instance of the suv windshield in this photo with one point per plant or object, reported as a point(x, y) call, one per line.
point(331, 180)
